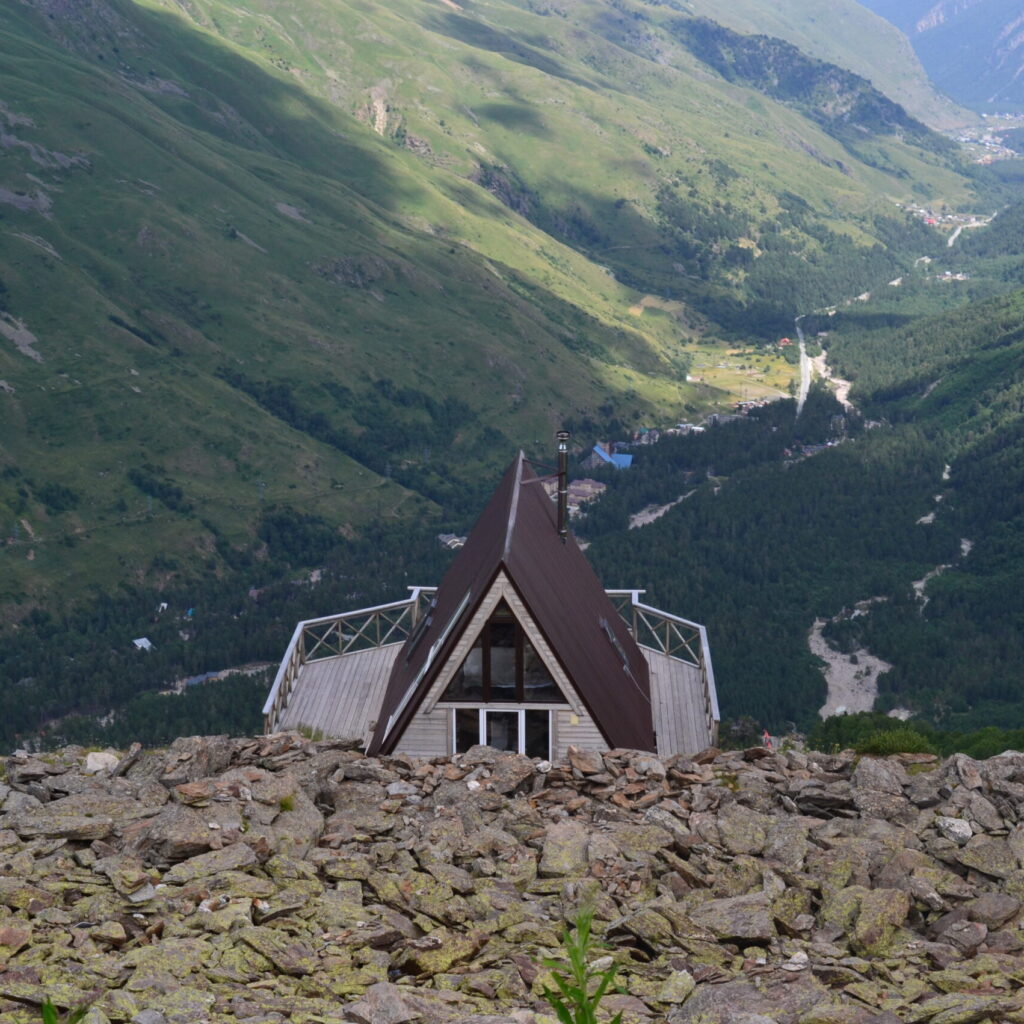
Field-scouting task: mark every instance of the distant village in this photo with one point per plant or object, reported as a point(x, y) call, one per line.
point(985, 141)
point(946, 217)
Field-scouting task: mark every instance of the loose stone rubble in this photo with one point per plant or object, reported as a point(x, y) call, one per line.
point(278, 879)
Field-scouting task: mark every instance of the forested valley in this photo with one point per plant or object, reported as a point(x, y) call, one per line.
point(62, 673)
point(785, 519)
point(305, 318)
point(926, 489)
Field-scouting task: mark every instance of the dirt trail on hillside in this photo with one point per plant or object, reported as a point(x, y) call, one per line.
point(652, 512)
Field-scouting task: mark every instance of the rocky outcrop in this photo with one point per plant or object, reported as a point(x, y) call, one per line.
point(277, 879)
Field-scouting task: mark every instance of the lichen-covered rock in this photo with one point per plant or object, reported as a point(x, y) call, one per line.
point(879, 913)
point(676, 988)
point(651, 928)
point(286, 954)
point(780, 998)
point(54, 824)
point(742, 830)
point(743, 919)
point(955, 1008)
point(838, 1013)
point(880, 774)
point(787, 840)
point(384, 1003)
point(177, 833)
point(990, 855)
point(229, 858)
point(565, 850)
point(21, 895)
point(439, 951)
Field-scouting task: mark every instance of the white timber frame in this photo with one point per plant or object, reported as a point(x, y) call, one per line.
point(502, 589)
point(482, 711)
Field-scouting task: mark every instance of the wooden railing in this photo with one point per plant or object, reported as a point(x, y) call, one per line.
point(334, 635)
point(675, 637)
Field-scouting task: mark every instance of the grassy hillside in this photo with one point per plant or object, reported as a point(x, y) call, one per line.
point(154, 240)
point(335, 258)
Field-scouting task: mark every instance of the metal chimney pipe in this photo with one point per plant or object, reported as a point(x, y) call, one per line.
point(563, 484)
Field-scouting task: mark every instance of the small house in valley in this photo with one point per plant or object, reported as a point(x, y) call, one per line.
point(604, 454)
point(520, 647)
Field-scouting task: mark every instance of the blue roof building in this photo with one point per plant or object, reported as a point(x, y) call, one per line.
point(618, 460)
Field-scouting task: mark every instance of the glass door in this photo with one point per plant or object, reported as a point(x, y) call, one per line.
point(501, 730)
point(526, 731)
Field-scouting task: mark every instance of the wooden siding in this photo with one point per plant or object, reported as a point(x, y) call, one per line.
point(677, 695)
point(428, 735)
point(341, 696)
point(584, 733)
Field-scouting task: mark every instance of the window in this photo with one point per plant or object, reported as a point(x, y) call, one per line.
point(526, 731)
point(503, 667)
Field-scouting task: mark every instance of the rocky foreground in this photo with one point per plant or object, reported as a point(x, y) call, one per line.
point(277, 879)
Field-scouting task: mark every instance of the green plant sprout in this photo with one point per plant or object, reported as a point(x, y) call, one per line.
point(582, 987)
point(51, 1016)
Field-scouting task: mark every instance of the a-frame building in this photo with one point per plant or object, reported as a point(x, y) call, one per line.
point(522, 633)
point(520, 648)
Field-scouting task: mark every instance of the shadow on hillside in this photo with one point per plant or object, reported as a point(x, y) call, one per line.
point(483, 37)
point(516, 117)
point(206, 85)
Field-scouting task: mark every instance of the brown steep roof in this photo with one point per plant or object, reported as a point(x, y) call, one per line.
point(518, 532)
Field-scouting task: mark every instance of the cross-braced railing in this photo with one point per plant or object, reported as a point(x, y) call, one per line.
point(334, 635)
point(675, 637)
point(356, 631)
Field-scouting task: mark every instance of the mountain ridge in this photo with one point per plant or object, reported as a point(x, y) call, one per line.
point(970, 48)
point(872, 47)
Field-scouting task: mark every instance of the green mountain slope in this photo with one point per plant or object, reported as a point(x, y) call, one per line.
point(959, 656)
point(849, 36)
point(333, 258)
point(159, 248)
